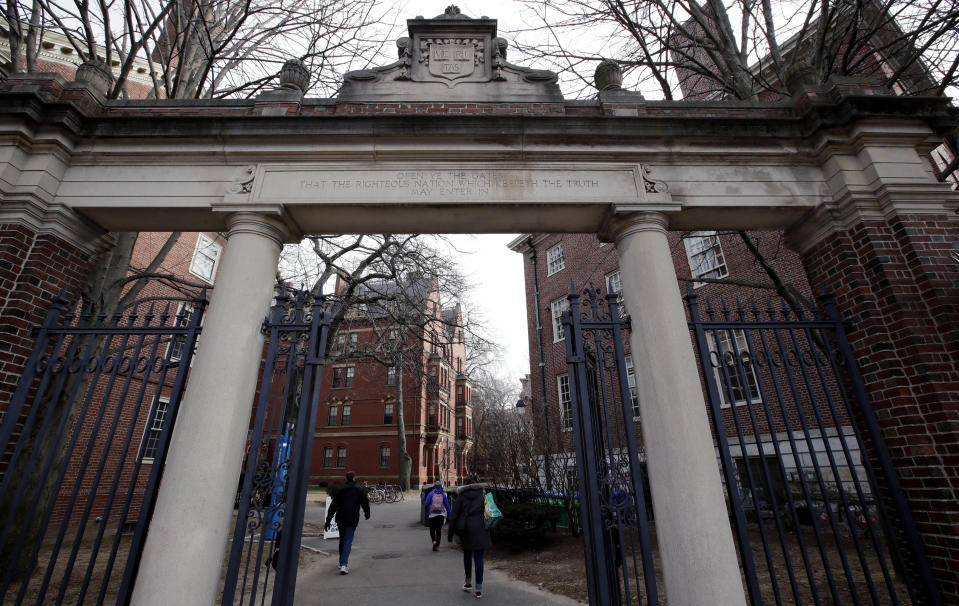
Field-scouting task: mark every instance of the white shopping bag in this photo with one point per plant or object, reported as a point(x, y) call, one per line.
point(333, 532)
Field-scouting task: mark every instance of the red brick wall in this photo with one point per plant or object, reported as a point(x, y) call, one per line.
point(33, 269)
point(897, 284)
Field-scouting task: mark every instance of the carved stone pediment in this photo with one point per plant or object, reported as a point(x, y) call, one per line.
point(451, 57)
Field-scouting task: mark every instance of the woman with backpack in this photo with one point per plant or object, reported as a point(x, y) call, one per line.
point(467, 522)
point(437, 510)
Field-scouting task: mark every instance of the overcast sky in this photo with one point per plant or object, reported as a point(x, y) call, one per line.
point(497, 275)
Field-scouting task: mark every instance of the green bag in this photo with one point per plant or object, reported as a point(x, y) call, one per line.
point(491, 513)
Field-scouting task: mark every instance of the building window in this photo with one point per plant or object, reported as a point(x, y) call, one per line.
point(554, 259)
point(614, 286)
point(328, 456)
point(384, 456)
point(151, 439)
point(705, 255)
point(346, 415)
point(565, 403)
point(735, 381)
point(332, 418)
point(183, 315)
point(557, 308)
point(342, 377)
point(388, 414)
point(205, 258)
point(631, 381)
point(393, 335)
point(354, 340)
point(340, 344)
point(391, 375)
point(341, 456)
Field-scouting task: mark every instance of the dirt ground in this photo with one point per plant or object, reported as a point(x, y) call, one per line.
point(559, 567)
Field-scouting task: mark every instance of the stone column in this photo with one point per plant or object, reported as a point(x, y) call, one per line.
point(188, 535)
point(692, 527)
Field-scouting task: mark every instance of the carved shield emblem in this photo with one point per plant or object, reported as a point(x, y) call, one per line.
point(452, 59)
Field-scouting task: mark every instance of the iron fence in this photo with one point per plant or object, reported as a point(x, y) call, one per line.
point(82, 446)
point(265, 549)
point(612, 499)
point(813, 522)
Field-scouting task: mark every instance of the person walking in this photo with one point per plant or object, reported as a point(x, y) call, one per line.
point(437, 510)
point(346, 507)
point(467, 521)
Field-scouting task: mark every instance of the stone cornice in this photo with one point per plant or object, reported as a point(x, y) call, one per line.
point(41, 99)
point(55, 220)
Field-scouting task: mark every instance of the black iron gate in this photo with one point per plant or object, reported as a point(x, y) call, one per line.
point(82, 446)
point(266, 540)
point(813, 522)
point(612, 499)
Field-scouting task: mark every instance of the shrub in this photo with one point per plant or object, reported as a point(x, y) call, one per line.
point(524, 524)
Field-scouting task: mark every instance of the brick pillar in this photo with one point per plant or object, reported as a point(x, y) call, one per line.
point(897, 283)
point(884, 242)
point(34, 267)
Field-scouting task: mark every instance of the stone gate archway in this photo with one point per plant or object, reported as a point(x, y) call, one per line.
point(488, 146)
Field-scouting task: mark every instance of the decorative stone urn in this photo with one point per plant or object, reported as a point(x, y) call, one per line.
point(608, 76)
point(95, 75)
point(295, 75)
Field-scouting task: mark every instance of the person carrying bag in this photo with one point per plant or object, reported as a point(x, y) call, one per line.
point(467, 521)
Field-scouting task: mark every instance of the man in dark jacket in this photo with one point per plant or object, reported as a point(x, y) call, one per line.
point(346, 507)
point(467, 522)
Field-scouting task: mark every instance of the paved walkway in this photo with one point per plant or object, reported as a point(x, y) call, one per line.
point(392, 562)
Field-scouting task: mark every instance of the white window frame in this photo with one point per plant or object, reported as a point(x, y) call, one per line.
point(391, 375)
point(554, 259)
point(385, 455)
point(631, 382)
point(727, 357)
point(154, 427)
point(184, 313)
point(341, 460)
point(556, 309)
point(328, 457)
point(205, 243)
point(698, 244)
point(333, 415)
point(564, 395)
point(346, 415)
point(392, 411)
point(614, 286)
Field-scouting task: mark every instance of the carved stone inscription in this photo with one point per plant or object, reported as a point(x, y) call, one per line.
point(443, 186)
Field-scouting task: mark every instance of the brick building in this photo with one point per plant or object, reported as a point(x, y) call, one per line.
point(359, 416)
point(57, 55)
point(555, 262)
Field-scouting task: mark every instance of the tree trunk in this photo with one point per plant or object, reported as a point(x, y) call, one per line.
point(406, 462)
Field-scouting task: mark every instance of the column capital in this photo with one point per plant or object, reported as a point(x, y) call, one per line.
point(271, 223)
point(616, 226)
